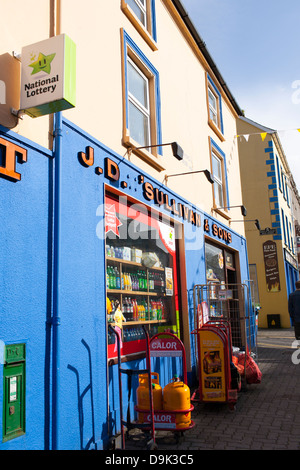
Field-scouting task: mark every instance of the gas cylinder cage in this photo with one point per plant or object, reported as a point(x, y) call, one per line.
point(231, 302)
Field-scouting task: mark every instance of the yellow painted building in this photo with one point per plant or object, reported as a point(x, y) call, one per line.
point(268, 196)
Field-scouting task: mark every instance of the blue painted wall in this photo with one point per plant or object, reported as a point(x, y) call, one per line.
point(87, 390)
point(25, 262)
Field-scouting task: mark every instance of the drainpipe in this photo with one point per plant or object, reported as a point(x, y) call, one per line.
point(56, 280)
point(55, 12)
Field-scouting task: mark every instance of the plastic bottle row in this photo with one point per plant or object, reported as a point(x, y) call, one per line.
point(140, 310)
point(129, 334)
point(135, 281)
point(132, 334)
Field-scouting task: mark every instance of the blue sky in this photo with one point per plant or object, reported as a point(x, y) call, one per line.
point(256, 47)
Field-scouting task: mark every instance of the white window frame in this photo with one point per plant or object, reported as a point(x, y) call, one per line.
point(217, 181)
point(133, 100)
point(146, 28)
point(142, 5)
point(215, 114)
point(213, 111)
point(151, 155)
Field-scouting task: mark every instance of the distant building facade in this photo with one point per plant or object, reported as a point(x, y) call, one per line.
point(271, 197)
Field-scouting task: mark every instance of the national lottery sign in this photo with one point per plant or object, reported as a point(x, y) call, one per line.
point(48, 76)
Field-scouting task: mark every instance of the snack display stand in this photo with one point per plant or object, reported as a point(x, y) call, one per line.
point(216, 381)
point(175, 420)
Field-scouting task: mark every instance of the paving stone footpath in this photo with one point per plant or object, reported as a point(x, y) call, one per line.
point(267, 415)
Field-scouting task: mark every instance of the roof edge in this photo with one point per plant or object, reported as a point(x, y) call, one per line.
point(202, 46)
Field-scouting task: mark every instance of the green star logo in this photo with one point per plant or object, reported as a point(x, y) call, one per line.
point(42, 64)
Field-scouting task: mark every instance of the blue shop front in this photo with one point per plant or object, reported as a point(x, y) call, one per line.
point(86, 235)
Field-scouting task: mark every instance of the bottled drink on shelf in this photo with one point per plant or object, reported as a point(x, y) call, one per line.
point(107, 278)
point(111, 277)
point(135, 310)
point(146, 310)
point(140, 279)
point(153, 310)
point(130, 310)
point(118, 279)
point(135, 282)
point(129, 282)
point(145, 281)
point(158, 310)
point(141, 311)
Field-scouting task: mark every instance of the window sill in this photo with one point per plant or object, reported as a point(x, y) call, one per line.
point(216, 130)
point(146, 156)
point(221, 212)
point(138, 26)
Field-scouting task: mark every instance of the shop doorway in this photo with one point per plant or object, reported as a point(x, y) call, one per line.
point(225, 296)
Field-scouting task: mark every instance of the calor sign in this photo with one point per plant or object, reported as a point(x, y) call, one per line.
point(165, 347)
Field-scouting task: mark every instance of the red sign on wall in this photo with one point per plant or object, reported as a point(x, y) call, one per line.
point(112, 223)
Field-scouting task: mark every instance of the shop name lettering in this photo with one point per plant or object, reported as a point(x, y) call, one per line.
point(112, 172)
point(12, 152)
point(162, 199)
point(218, 231)
point(38, 87)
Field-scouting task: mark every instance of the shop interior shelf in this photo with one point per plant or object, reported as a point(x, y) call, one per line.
point(136, 292)
point(133, 263)
point(138, 322)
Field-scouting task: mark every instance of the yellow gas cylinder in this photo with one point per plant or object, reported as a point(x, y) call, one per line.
point(142, 393)
point(176, 397)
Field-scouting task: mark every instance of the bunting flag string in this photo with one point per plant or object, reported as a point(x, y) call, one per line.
point(263, 134)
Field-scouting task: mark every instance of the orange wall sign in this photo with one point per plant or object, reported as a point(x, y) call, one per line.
point(10, 152)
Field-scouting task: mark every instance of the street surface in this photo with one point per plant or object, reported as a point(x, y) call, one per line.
point(266, 416)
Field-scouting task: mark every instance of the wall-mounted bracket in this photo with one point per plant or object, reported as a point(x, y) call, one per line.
point(19, 113)
point(16, 55)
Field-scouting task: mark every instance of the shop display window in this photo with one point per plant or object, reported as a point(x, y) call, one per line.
point(141, 274)
point(221, 280)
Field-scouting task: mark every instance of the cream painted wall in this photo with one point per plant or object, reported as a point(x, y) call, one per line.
point(95, 28)
point(24, 23)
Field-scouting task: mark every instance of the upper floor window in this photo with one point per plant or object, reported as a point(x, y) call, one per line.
point(219, 171)
point(141, 13)
point(214, 107)
point(278, 173)
point(138, 104)
point(141, 104)
point(139, 7)
point(283, 225)
point(218, 177)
